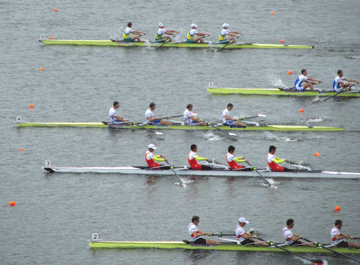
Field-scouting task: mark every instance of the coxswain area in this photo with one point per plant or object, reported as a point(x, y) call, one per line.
point(129, 30)
point(191, 35)
point(193, 158)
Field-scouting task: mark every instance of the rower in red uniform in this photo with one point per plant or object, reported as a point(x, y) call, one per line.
point(233, 161)
point(274, 162)
point(193, 157)
point(151, 158)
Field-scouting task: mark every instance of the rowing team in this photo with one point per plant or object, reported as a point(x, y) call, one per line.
point(303, 82)
point(192, 36)
point(188, 116)
point(249, 238)
point(232, 161)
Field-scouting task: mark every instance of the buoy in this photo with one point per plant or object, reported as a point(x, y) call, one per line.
point(31, 106)
point(12, 203)
point(42, 69)
point(55, 10)
point(337, 208)
point(290, 72)
point(272, 13)
point(21, 149)
point(301, 110)
point(281, 41)
point(316, 154)
point(51, 37)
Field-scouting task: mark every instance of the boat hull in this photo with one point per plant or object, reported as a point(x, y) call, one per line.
point(172, 45)
point(184, 171)
point(278, 92)
point(224, 247)
point(178, 127)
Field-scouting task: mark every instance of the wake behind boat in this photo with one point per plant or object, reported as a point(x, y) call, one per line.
point(120, 43)
point(215, 172)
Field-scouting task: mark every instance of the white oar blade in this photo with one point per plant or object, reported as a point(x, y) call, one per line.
point(316, 99)
point(261, 115)
point(159, 133)
point(271, 181)
point(232, 134)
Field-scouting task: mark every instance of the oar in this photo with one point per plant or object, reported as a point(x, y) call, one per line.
point(284, 88)
point(170, 116)
point(157, 133)
point(230, 42)
point(268, 182)
point(331, 250)
point(259, 115)
point(343, 90)
point(229, 133)
point(315, 262)
point(168, 40)
point(172, 168)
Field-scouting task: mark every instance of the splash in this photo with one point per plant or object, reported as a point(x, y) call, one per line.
point(276, 81)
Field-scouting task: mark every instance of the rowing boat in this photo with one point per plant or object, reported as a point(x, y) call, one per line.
point(301, 128)
point(185, 171)
point(172, 44)
point(223, 247)
point(279, 92)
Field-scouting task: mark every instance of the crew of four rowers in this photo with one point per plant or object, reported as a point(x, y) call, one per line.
point(232, 161)
point(193, 35)
point(338, 239)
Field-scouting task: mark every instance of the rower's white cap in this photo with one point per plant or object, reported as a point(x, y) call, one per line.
point(225, 25)
point(193, 25)
point(161, 24)
point(151, 146)
point(243, 220)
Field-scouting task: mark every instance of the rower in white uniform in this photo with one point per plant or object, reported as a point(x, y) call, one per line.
point(189, 117)
point(151, 119)
point(338, 83)
point(129, 30)
point(246, 238)
point(114, 117)
point(161, 31)
point(196, 235)
point(226, 32)
point(338, 238)
point(228, 121)
point(308, 82)
point(293, 239)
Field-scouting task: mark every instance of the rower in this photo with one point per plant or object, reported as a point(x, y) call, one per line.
point(196, 235)
point(273, 161)
point(128, 31)
point(228, 121)
point(190, 119)
point(151, 158)
point(309, 82)
point(151, 119)
point(246, 238)
point(190, 38)
point(193, 157)
point(233, 161)
point(115, 118)
point(225, 31)
point(338, 83)
point(161, 31)
point(338, 238)
point(293, 239)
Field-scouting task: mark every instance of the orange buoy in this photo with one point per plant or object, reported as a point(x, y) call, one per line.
point(316, 154)
point(55, 10)
point(290, 72)
point(337, 208)
point(42, 69)
point(31, 106)
point(51, 37)
point(272, 13)
point(301, 110)
point(281, 41)
point(12, 203)
point(21, 149)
